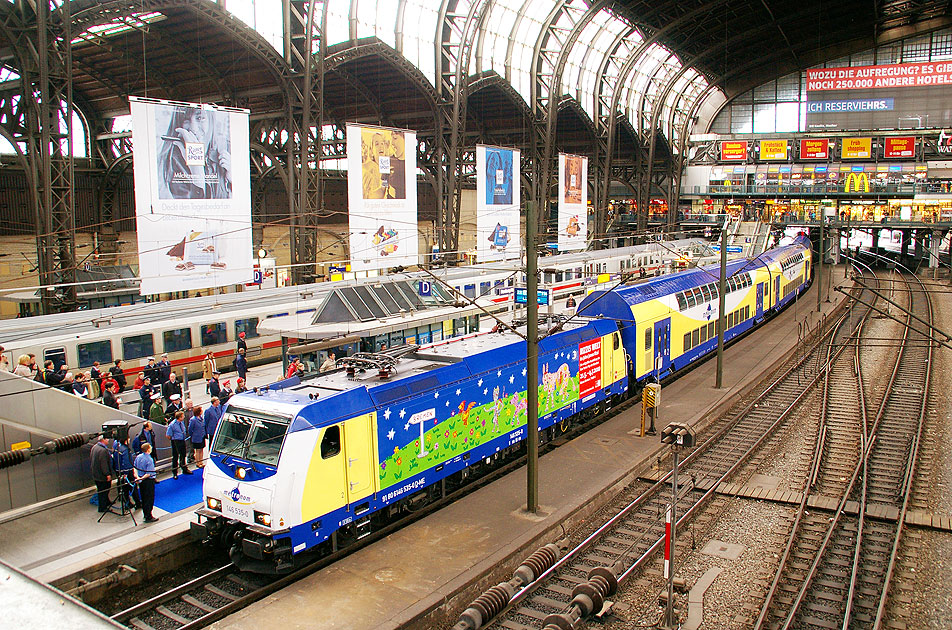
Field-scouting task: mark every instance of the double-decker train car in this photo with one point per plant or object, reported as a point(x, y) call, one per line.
point(303, 464)
point(671, 322)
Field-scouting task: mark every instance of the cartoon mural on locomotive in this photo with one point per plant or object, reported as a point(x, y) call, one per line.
point(293, 465)
point(307, 462)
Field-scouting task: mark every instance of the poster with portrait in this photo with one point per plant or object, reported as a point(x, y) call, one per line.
point(193, 195)
point(497, 204)
point(382, 197)
point(573, 202)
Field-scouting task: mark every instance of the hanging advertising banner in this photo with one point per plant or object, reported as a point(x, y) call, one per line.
point(589, 367)
point(382, 197)
point(857, 148)
point(814, 149)
point(573, 202)
point(497, 204)
point(899, 147)
point(734, 150)
point(773, 149)
point(192, 179)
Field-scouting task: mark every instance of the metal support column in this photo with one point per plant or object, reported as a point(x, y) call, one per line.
point(721, 320)
point(532, 360)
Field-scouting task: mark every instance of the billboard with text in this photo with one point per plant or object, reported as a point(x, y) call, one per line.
point(192, 180)
point(382, 197)
point(889, 96)
point(497, 204)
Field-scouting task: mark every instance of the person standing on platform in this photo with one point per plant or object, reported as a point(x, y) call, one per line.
point(109, 397)
point(241, 387)
point(96, 374)
point(23, 367)
point(211, 417)
point(171, 387)
point(242, 345)
point(144, 469)
point(152, 371)
point(52, 377)
point(226, 392)
point(122, 464)
point(174, 406)
point(79, 387)
point(117, 374)
point(157, 411)
point(4, 361)
point(241, 363)
point(213, 387)
point(165, 368)
point(196, 435)
point(102, 471)
point(177, 433)
point(146, 436)
point(145, 395)
point(209, 367)
point(140, 379)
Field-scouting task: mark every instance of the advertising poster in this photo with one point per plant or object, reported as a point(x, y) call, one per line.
point(857, 148)
point(890, 96)
point(382, 197)
point(899, 147)
point(589, 367)
point(497, 204)
point(573, 202)
point(734, 150)
point(814, 149)
point(773, 149)
point(192, 194)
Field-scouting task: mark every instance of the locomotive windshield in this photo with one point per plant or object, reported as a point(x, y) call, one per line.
point(251, 435)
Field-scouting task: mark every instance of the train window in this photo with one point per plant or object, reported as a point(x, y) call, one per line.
point(710, 331)
point(484, 288)
point(330, 443)
point(696, 336)
point(248, 326)
point(687, 341)
point(94, 351)
point(730, 320)
point(689, 296)
point(714, 293)
point(682, 302)
point(137, 346)
point(176, 340)
point(214, 334)
point(703, 334)
point(56, 355)
point(469, 291)
point(698, 296)
point(747, 312)
point(648, 338)
point(706, 293)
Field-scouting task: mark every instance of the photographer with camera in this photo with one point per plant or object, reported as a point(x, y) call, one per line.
point(122, 463)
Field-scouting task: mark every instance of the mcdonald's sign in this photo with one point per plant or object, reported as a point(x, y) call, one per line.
point(858, 182)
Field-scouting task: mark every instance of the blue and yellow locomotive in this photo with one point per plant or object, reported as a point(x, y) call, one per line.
point(325, 460)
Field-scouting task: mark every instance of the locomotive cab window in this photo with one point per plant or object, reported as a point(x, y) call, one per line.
point(330, 443)
point(253, 436)
point(616, 341)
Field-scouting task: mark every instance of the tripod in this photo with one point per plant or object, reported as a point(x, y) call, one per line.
point(125, 488)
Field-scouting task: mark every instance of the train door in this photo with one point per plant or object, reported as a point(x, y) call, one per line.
point(776, 295)
point(662, 345)
point(760, 300)
point(359, 450)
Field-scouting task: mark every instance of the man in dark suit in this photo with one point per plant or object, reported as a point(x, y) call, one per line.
point(101, 466)
point(118, 375)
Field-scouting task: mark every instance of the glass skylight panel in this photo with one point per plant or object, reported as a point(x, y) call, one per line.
point(118, 26)
point(338, 25)
point(261, 17)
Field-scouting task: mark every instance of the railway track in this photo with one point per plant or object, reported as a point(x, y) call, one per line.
point(836, 570)
point(624, 545)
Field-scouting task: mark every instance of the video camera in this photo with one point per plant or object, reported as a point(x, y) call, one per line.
point(115, 430)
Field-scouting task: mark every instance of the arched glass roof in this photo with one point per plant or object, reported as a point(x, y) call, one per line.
point(506, 44)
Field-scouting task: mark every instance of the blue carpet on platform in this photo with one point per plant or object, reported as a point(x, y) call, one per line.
point(173, 495)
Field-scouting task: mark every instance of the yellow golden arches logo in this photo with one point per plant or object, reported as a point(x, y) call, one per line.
point(858, 181)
